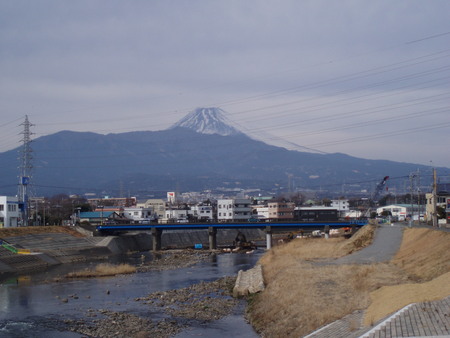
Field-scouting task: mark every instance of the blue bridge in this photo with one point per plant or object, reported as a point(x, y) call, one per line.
point(268, 227)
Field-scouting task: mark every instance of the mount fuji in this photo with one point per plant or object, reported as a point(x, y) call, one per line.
point(208, 121)
point(202, 151)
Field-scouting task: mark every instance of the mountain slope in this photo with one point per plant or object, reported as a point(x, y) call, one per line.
point(180, 158)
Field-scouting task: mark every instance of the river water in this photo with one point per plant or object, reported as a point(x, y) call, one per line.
point(31, 306)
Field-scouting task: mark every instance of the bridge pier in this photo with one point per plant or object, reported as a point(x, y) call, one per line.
point(212, 236)
point(268, 237)
point(156, 239)
point(326, 230)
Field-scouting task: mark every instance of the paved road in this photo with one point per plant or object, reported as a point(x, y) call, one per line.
point(385, 245)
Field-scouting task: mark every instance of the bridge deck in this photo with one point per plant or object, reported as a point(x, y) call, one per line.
point(241, 225)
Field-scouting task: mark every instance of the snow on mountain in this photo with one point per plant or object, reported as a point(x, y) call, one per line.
point(208, 121)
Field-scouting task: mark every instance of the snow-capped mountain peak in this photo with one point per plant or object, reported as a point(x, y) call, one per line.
point(208, 121)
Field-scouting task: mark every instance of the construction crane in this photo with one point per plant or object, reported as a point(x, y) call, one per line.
point(374, 198)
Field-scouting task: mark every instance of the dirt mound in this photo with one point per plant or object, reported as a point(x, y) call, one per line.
point(362, 238)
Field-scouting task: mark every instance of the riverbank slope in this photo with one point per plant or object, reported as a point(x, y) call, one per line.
point(306, 289)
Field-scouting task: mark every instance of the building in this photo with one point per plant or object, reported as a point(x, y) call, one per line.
point(138, 215)
point(260, 212)
point(174, 215)
point(315, 214)
point(281, 211)
point(442, 200)
point(234, 209)
point(157, 207)
point(9, 212)
point(112, 201)
point(342, 206)
point(101, 217)
point(401, 212)
point(202, 212)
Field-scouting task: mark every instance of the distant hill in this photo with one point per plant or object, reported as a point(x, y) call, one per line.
point(188, 158)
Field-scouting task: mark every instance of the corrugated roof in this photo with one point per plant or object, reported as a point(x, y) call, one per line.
point(96, 214)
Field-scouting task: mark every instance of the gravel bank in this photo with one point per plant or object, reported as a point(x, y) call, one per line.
point(198, 303)
point(177, 309)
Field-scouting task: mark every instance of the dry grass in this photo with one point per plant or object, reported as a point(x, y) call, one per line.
point(103, 270)
point(301, 296)
point(33, 230)
point(424, 253)
point(389, 299)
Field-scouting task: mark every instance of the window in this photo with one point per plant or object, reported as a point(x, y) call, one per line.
point(2, 207)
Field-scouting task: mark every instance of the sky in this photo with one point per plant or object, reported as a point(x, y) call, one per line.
point(370, 79)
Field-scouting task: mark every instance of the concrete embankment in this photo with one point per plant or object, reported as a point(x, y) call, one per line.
point(48, 249)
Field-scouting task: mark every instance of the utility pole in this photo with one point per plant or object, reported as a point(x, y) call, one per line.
point(434, 199)
point(418, 195)
point(411, 189)
point(25, 170)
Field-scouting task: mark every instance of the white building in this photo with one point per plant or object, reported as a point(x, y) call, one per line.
point(9, 212)
point(175, 216)
point(202, 212)
point(138, 215)
point(260, 212)
point(341, 205)
point(157, 206)
point(234, 209)
point(402, 211)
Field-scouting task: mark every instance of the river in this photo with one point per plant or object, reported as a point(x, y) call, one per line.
point(32, 306)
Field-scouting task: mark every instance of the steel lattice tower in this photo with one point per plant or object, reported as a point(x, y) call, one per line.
point(25, 168)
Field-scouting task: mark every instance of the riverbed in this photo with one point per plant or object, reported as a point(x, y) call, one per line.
point(46, 305)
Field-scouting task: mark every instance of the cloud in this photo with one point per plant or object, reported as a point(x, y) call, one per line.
point(269, 64)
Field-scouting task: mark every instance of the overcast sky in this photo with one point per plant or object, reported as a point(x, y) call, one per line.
point(367, 78)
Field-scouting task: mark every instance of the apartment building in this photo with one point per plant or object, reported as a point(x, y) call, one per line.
point(233, 209)
point(9, 212)
point(281, 210)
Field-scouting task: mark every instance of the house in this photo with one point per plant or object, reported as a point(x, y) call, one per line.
point(157, 206)
point(202, 212)
point(442, 200)
point(9, 212)
point(175, 215)
point(233, 209)
point(138, 215)
point(281, 210)
point(101, 217)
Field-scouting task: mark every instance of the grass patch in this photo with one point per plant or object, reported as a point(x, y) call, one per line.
point(103, 270)
point(303, 294)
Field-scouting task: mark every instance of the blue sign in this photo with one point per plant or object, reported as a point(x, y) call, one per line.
point(198, 246)
point(25, 180)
